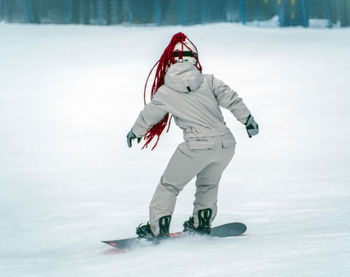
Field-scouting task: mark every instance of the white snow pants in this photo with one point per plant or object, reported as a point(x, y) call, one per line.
point(205, 158)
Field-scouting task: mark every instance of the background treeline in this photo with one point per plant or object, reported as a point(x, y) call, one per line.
point(174, 12)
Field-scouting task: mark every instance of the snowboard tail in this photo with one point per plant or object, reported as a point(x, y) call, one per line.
point(226, 230)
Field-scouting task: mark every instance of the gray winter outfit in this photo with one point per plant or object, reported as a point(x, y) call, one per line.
point(194, 100)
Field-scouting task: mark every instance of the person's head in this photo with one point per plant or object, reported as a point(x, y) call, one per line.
point(180, 49)
point(186, 51)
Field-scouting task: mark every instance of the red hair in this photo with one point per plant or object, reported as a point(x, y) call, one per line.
point(165, 61)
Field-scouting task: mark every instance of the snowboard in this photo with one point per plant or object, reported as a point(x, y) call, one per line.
point(221, 231)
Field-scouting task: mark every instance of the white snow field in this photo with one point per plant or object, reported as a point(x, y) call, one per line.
point(68, 97)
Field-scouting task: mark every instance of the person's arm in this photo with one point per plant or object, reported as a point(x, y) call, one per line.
point(152, 113)
point(229, 99)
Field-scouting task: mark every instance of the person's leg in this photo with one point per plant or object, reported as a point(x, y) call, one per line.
point(182, 168)
point(207, 184)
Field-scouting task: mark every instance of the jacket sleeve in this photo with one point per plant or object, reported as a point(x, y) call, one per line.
point(152, 113)
point(229, 99)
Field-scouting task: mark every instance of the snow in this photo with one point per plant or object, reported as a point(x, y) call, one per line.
point(69, 95)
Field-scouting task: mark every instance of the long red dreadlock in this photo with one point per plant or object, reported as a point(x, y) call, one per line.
point(165, 61)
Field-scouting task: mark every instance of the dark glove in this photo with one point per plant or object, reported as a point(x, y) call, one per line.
point(251, 126)
point(130, 136)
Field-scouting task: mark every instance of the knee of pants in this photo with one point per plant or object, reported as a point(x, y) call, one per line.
point(170, 186)
point(165, 193)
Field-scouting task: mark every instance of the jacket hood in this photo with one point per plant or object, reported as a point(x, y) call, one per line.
point(183, 77)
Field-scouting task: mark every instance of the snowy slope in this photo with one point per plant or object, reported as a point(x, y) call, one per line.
point(68, 96)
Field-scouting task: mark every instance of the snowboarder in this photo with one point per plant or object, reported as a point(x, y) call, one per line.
point(194, 100)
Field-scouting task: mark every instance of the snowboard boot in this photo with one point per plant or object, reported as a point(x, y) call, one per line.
point(144, 231)
point(204, 218)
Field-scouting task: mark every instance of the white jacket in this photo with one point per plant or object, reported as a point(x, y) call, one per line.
point(193, 99)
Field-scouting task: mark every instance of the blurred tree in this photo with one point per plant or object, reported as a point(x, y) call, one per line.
point(8, 7)
point(85, 9)
point(76, 7)
point(344, 12)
